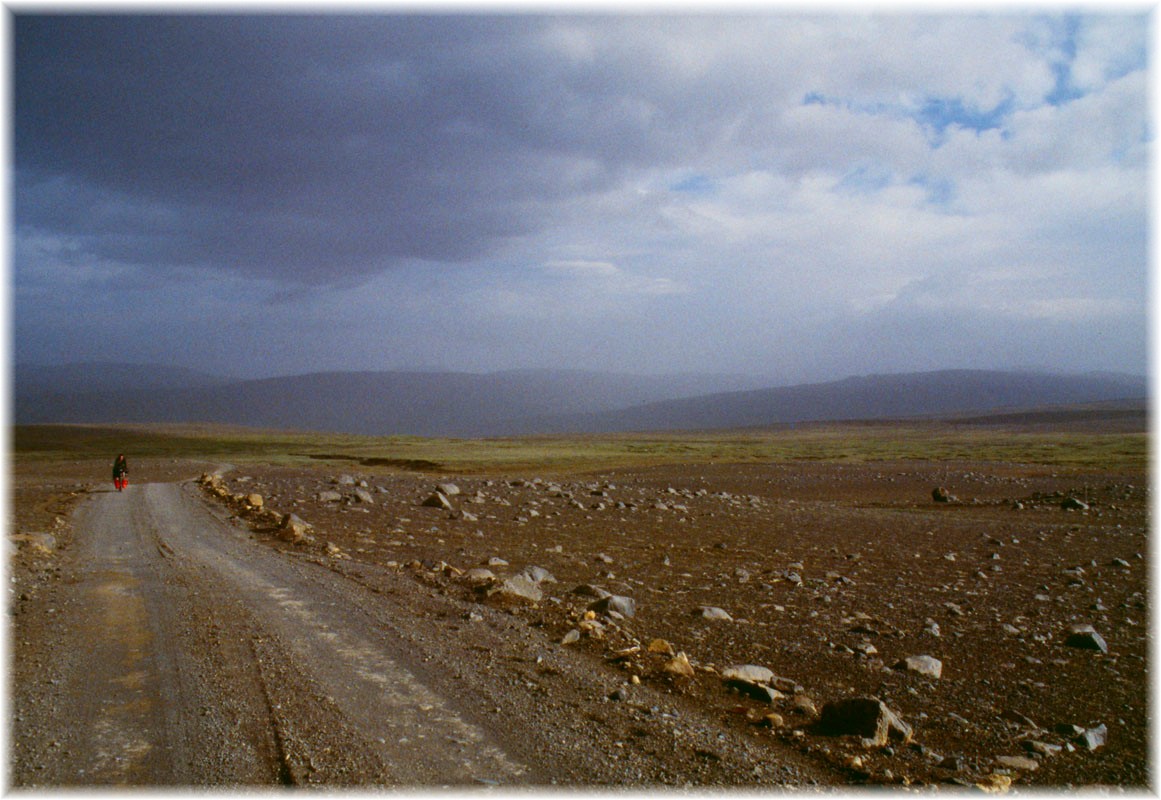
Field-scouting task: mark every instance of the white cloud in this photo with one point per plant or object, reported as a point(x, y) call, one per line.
point(583, 269)
point(1108, 46)
point(1109, 126)
point(603, 277)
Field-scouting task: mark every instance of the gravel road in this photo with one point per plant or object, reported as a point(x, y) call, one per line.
point(167, 646)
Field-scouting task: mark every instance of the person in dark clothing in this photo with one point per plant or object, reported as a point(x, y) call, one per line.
point(120, 473)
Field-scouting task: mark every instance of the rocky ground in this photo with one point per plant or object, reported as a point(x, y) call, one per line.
point(830, 579)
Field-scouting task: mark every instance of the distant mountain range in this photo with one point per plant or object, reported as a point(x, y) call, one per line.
point(529, 401)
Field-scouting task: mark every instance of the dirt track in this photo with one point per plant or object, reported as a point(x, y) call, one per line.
point(187, 644)
point(183, 652)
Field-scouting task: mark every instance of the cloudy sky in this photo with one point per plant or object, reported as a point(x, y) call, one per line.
point(768, 192)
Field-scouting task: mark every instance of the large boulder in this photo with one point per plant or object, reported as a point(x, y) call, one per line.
point(438, 499)
point(294, 529)
point(515, 591)
point(865, 717)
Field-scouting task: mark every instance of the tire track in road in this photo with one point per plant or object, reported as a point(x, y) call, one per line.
point(186, 629)
point(112, 693)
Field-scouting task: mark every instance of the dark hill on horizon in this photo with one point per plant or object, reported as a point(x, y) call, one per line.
point(529, 401)
point(372, 403)
point(872, 397)
point(106, 377)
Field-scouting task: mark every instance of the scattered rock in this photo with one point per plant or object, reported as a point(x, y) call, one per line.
point(992, 784)
point(619, 695)
point(448, 489)
point(1085, 637)
point(712, 612)
point(330, 496)
point(953, 763)
point(749, 673)
point(615, 604)
point(437, 500)
point(43, 543)
point(679, 665)
point(571, 637)
point(294, 529)
point(363, 496)
point(538, 575)
point(1073, 504)
point(255, 500)
point(1042, 748)
point(755, 690)
point(587, 590)
point(941, 495)
point(517, 590)
point(479, 576)
point(865, 717)
point(804, 706)
point(1022, 763)
point(1019, 720)
point(592, 628)
point(1094, 738)
point(661, 646)
point(921, 665)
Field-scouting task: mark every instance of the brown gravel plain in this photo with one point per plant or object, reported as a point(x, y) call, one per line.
point(831, 574)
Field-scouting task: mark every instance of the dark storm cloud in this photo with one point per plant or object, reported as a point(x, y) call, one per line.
point(691, 191)
point(306, 147)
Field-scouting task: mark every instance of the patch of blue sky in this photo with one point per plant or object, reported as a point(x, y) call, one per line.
point(937, 114)
point(865, 179)
point(1063, 90)
point(940, 191)
point(694, 184)
point(933, 114)
point(1059, 39)
point(870, 179)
